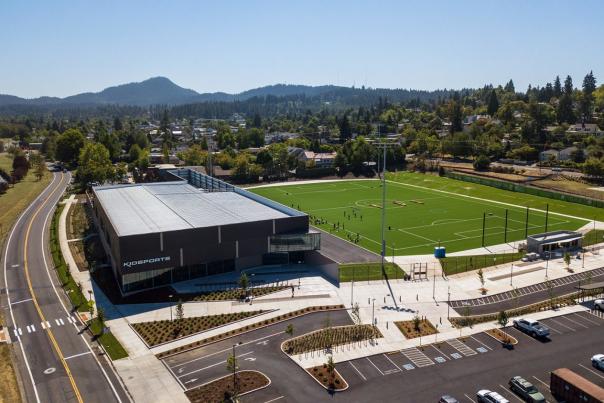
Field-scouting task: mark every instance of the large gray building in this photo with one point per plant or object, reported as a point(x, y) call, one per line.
point(194, 226)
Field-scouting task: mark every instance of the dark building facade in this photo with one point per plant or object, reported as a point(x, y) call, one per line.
point(194, 226)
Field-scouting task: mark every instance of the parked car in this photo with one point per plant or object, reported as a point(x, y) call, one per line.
point(530, 257)
point(526, 390)
point(599, 304)
point(448, 399)
point(532, 327)
point(486, 396)
point(598, 361)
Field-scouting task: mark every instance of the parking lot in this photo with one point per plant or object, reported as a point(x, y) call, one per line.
point(460, 367)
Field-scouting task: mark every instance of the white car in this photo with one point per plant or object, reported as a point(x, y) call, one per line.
point(486, 396)
point(598, 361)
point(599, 304)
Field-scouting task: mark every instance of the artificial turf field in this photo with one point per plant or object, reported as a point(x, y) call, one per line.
point(423, 210)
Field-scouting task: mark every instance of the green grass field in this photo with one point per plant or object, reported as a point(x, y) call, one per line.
point(419, 215)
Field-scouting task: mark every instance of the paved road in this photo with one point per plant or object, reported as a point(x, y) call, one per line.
point(526, 295)
point(54, 359)
point(341, 251)
point(259, 350)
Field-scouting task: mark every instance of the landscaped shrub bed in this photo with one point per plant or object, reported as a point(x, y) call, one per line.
point(237, 293)
point(221, 389)
point(330, 380)
point(501, 336)
point(330, 337)
point(244, 329)
point(408, 328)
point(161, 331)
point(468, 320)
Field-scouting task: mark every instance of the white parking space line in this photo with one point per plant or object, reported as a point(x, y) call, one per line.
point(275, 399)
point(392, 362)
point(575, 322)
point(358, 372)
point(553, 329)
point(376, 367)
point(481, 342)
point(593, 322)
point(211, 366)
point(469, 398)
point(511, 393)
point(440, 352)
point(563, 325)
point(543, 383)
point(591, 370)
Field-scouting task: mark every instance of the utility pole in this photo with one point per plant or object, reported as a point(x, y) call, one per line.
point(448, 300)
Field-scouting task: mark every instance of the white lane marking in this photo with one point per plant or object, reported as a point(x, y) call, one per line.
point(16, 333)
point(68, 312)
point(226, 349)
point(78, 355)
point(10, 308)
point(275, 399)
point(379, 370)
point(23, 300)
point(20, 332)
point(61, 320)
point(590, 370)
point(213, 365)
point(58, 323)
point(511, 393)
point(47, 324)
point(392, 362)
point(469, 398)
point(69, 319)
point(356, 369)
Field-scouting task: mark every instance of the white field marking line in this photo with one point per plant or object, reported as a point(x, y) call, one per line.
point(562, 324)
point(544, 384)
point(211, 366)
point(481, 342)
point(275, 399)
point(23, 300)
point(45, 258)
point(226, 349)
point(392, 362)
point(592, 371)
point(415, 235)
point(469, 398)
point(356, 369)
point(440, 352)
point(12, 315)
point(487, 200)
point(575, 322)
point(376, 367)
point(511, 393)
point(78, 355)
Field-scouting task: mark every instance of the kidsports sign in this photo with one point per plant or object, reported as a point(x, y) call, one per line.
point(146, 261)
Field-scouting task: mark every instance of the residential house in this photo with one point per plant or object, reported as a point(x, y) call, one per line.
point(585, 128)
point(310, 158)
point(565, 154)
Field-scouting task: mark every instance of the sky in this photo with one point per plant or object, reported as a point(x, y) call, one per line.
point(61, 48)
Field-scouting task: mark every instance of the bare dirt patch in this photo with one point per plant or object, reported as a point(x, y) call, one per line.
point(411, 330)
point(331, 380)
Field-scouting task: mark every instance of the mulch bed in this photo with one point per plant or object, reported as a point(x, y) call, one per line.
point(247, 328)
point(501, 336)
point(407, 328)
point(332, 381)
point(330, 337)
point(162, 331)
point(221, 389)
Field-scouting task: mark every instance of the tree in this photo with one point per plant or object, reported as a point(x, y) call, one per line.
point(194, 155)
point(356, 315)
point(493, 103)
point(94, 164)
point(456, 116)
point(233, 366)
point(39, 165)
point(416, 322)
point(257, 122)
point(480, 275)
point(568, 85)
point(20, 166)
point(587, 98)
point(509, 87)
point(134, 153)
point(289, 330)
point(594, 167)
point(567, 260)
point(557, 87)
point(69, 145)
point(244, 283)
point(564, 111)
point(345, 129)
point(100, 317)
point(503, 320)
point(1, 146)
point(331, 368)
point(482, 163)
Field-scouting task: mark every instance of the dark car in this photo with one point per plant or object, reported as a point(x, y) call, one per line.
point(526, 390)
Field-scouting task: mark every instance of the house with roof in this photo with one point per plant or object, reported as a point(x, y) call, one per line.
point(565, 154)
point(585, 128)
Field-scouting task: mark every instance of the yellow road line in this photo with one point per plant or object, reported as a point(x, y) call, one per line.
point(35, 300)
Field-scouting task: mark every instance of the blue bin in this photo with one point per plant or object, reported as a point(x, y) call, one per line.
point(439, 252)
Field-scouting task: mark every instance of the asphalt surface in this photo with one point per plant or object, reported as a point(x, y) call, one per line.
point(56, 360)
point(459, 367)
point(526, 295)
point(259, 350)
point(341, 251)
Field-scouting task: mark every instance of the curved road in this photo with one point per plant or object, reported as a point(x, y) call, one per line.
point(56, 361)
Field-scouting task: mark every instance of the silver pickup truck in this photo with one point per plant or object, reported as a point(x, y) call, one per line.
point(532, 327)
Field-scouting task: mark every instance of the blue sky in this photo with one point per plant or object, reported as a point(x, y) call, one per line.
point(61, 48)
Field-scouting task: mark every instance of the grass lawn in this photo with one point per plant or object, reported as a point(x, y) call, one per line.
point(9, 390)
point(461, 264)
point(369, 271)
point(592, 237)
point(418, 216)
point(19, 197)
point(111, 345)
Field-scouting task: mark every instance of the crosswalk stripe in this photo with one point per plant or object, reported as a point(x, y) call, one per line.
point(58, 323)
point(61, 320)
